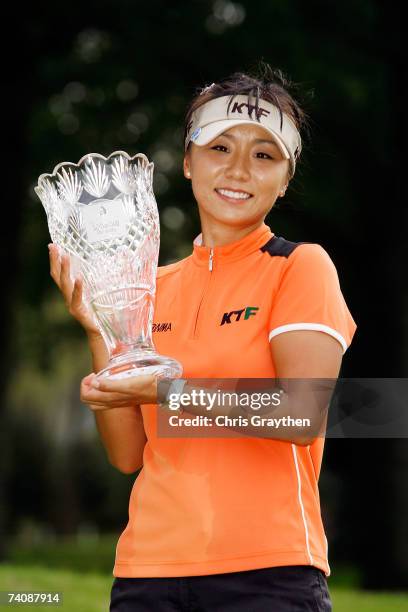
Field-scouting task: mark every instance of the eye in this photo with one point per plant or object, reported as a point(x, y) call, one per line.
point(267, 156)
point(260, 155)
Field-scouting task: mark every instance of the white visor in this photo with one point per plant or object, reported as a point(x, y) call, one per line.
point(212, 119)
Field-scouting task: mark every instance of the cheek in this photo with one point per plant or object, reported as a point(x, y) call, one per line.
point(202, 180)
point(269, 183)
point(201, 189)
point(267, 188)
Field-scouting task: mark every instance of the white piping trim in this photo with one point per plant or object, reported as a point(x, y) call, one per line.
point(327, 556)
point(311, 326)
point(301, 504)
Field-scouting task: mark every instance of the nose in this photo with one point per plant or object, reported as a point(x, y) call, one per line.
point(237, 167)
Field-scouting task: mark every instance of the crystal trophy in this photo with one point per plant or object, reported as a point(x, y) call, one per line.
point(102, 212)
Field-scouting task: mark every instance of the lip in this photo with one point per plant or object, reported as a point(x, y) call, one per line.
point(233, 200)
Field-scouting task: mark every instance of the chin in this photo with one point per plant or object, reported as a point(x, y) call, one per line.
point(237, 221)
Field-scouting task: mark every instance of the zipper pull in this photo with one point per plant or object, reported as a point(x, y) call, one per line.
point(210, 261)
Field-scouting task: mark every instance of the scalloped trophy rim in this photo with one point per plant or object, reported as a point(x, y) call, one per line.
point(149, 165)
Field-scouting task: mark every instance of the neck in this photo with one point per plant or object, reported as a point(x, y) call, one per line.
point(218, 235)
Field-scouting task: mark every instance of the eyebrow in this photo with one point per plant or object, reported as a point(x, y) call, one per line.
point(256, 140)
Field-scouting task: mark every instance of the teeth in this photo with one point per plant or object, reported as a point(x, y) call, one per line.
point(238, 195)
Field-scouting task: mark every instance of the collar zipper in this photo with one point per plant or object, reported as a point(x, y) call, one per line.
point(210, 267)
point(210, 261)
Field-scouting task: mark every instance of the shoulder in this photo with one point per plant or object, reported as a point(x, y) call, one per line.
point(299, 265)
point(292, 255)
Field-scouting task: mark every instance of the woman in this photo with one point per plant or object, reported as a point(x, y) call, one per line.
point(226, 523)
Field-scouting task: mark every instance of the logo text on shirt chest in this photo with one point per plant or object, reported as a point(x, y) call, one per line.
point(161, 327)
point(236, 315)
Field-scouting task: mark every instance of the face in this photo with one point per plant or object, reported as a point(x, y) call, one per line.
point(237, 177)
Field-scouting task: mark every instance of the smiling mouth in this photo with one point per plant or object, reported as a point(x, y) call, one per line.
point(231, 194)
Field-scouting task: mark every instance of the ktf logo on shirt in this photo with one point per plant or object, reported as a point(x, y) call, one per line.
point(250, 311)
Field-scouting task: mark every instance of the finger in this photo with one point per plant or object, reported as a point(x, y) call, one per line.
point(87, 379)
point(124, 385)
point(113, 404)
point(97, 407)
point(89, 395)
point(55, 264)
point(65, 278)
point(76, 298)
point(103, 406)
point(86, 383)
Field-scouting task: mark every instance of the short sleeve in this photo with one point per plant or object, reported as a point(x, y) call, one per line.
point(309, 297)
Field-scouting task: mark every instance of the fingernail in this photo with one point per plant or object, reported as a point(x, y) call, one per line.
point(95, 383)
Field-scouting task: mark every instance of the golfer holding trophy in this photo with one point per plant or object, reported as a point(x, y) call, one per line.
point(218, 523)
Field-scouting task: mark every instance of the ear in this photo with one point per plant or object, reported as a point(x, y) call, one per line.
point(283, 189)
point(186, 168)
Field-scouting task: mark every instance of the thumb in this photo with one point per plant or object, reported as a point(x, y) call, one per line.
point(87, 379)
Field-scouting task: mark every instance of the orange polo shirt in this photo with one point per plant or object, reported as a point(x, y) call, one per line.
point(214, 505)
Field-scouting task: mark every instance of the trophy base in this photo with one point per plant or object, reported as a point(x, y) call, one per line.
point(141, 363)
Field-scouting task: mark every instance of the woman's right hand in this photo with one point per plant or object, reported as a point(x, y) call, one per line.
point(72, 292)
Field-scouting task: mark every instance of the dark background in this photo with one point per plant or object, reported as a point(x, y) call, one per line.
point(102, 76)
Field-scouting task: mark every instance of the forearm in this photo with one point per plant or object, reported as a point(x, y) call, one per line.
point(120, 429)
point(99, 352)
point(122, 433)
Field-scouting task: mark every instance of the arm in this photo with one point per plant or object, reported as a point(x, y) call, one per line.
point(305, 356)
point(310, 326)
point(121, 428)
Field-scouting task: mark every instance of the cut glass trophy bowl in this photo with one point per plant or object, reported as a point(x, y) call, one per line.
point(103, 213)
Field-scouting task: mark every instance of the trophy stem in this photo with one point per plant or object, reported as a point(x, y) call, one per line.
point(139, 362)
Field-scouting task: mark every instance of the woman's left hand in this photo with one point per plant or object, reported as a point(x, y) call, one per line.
point(105, 394)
